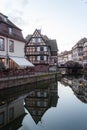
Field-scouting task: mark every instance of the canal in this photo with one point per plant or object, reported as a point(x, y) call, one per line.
point(52, 105)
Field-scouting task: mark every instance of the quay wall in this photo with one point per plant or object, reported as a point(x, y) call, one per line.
point(9, 82)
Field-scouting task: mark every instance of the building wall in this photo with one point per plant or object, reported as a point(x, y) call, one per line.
point(18, 49)
point(41, 68)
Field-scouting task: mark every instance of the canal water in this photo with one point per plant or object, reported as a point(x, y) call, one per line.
point(52, 105)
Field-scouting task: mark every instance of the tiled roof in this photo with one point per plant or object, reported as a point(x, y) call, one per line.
point(83, 40)
point(52, 44)
point(4, 31)
point(28, 38)
point(7, 21)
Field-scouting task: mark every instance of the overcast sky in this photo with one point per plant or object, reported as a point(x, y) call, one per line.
point(63, 20)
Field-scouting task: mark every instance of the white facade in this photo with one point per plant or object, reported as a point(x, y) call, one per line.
point(18, 50)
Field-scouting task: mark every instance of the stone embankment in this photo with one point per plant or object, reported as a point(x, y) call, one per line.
point(9, 82)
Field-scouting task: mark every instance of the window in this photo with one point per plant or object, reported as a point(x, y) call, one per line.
point(36, 40)
point(1, 118)
point(2, 46)
point(33, 40)
point(41, 94)
point(10, 31)
point(38, 48)
point(41, 103)
point(36, 112)
point(11, 46)
point(45, 48)
point(38, 58)
point(0, 26)
point(5, 19)
point(41, 48)
point(41, 58)
point(11, 113)
point(45, 58)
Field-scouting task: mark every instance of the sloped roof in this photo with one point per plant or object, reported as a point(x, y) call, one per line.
point(7, 21)
point(28, 37)
point(52, 44)
point(83, 40)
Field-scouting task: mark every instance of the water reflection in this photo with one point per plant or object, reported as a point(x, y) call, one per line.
point(40, 100)
point(11, 109)
point(36, 98)
point(78, 85)
point(30, 106)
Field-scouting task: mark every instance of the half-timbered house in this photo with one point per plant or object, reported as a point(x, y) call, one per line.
point(41, 51)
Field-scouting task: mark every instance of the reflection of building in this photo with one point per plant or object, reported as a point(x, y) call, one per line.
point(78, 85)
point(11, 111)
point(40, 100)
point(67, 81)
point(80, 89)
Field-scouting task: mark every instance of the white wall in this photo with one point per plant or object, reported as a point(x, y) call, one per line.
point(18, 48)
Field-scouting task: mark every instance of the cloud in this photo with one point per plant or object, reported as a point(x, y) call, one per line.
point(15, 10)
point(24, 2)
point(11, 4)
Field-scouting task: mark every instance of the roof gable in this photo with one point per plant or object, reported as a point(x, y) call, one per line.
point(37, 33)
point(44, 40)
point(35, 38)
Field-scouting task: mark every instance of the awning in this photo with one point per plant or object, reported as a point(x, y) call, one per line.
point(22, 62)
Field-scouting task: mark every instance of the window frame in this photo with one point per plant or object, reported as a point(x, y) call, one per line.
point(10, 30)
point(2, 118)
point(11, 46)
point(2, 44)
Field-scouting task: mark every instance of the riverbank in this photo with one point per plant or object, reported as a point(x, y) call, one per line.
point(8, 82)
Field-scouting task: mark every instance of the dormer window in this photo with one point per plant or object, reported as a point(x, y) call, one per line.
point(5, 19)
point(10, 31)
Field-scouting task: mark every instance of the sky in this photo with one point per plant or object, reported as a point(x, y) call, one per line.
point(63, 20)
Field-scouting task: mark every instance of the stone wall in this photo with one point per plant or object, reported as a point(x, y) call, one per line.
point(21, 80)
